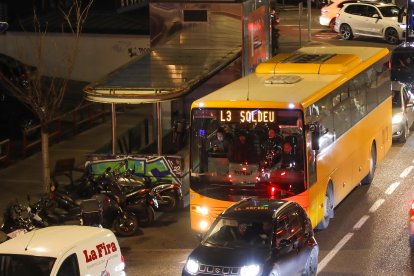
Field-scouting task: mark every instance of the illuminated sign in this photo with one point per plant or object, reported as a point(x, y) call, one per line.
point(252, 208)
point(248, 116)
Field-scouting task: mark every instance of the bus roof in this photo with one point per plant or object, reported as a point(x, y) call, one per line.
point(294, 80)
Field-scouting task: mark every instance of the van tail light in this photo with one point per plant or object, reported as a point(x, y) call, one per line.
point(121, 266)
point(412, 209)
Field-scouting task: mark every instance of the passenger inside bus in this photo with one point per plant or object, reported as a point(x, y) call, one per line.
point(242, 151)
point(291, 155)
point(272, 147)
point(220, 143)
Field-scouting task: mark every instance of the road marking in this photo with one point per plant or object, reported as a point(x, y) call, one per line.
point(376, 205)
point(333, 252)
point(361, 222)
point(160, 250)
point(392, 188)
point(406, 171)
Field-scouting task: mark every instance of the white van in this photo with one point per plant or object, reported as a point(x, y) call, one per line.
point(62, 251)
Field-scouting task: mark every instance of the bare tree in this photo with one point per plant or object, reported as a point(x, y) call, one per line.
point(45, 98)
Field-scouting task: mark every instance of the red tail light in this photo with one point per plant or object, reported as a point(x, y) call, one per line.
point(412, 209)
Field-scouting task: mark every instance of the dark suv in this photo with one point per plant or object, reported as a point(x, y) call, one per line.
point(257, 237)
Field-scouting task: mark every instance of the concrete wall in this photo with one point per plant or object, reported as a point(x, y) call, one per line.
point(98, 54)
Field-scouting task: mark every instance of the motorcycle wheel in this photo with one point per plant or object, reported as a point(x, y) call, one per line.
point(125, 226)
point(167, 203)
point(148, 218)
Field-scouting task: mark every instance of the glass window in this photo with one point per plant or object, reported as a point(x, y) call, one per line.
point(389, 11)
point(25, 265)
point(355, 10)
point(396, 99)
point(233, 150)
point(341, 111)
point(371, 11)
point(357, 92)
point(321, 112)
point(69, 267)
point(282, 228)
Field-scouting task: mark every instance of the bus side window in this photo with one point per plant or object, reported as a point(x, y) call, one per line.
point(357, 91)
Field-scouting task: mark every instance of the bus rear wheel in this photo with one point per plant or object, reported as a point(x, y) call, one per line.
point(372, 166)
point(328, 207)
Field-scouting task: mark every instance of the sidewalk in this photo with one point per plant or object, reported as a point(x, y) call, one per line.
point(24, 177)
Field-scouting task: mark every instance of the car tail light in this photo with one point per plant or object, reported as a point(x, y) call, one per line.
point(121, 266)
point(412, 209)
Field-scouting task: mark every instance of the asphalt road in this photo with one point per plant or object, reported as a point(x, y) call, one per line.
point(368, 235)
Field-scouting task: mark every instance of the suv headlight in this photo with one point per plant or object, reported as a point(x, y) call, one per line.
point(191, 266)
point(250, 270)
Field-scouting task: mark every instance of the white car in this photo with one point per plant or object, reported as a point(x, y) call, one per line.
point(329, 12)
point(371, 20)
point(402, 113)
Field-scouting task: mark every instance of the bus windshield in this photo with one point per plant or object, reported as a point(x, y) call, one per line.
point(247, 152)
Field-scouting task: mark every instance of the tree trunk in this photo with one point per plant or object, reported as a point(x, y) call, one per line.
point(45, 159)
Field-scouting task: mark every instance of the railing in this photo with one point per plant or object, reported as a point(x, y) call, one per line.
point(5, 151)
point(83, 116)
point(32, 136)
point(86, 114)
point(126, 5)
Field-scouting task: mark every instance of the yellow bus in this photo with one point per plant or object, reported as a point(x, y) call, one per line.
point(330, 111)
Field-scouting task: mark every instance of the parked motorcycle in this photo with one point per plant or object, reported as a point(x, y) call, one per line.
point(110, 206)
point(134, 198)
point(168, 195)
point(20, 218)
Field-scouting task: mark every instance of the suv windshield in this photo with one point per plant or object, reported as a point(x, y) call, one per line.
point(25, 265)
point(238, 233)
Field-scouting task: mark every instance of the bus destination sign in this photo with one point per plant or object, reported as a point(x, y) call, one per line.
point(247, 116)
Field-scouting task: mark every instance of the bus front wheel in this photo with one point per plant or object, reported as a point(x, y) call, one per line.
point(372, 166)
point(328, 209)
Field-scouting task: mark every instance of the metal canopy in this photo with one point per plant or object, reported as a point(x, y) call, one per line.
point(162, 74)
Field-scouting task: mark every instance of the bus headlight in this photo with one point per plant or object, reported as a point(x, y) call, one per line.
point(397, 118)
point(251, 270)
point(203, 210)
point(191, 266)
point(203, 225)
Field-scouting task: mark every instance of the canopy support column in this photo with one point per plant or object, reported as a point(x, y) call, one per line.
point(113, 115)
point(159, 128)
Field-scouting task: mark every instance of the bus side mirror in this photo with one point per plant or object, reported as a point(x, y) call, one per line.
point(315, 135)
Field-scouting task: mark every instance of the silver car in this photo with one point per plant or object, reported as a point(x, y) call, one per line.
point(402, 113)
